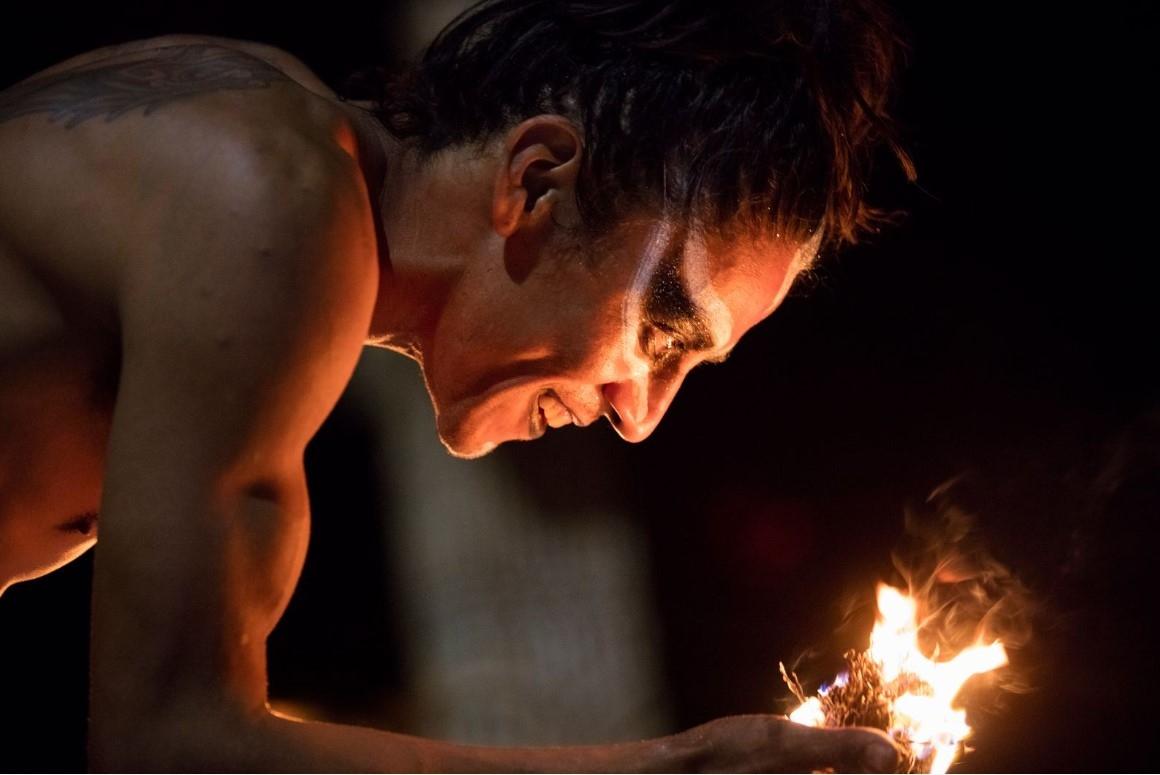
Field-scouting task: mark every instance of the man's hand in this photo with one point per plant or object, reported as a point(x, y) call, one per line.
point(775, 744)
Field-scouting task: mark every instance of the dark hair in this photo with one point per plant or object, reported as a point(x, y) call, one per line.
point(707, 109)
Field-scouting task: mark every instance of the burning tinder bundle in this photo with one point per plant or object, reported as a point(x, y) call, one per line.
point(893, 684)
point(858, 697)
point(894, 687)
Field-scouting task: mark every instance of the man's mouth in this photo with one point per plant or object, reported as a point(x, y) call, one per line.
point(550, 411)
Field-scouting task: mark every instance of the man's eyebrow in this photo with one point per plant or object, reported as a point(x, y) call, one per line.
point(669, 304)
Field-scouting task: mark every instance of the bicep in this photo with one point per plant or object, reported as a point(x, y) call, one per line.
point(238, 337)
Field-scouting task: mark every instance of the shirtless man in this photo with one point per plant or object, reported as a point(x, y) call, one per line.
point(197, 237)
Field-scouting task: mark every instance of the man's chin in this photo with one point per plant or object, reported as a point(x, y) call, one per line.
point(473, 430)
point(470, 453)
point(466, 446)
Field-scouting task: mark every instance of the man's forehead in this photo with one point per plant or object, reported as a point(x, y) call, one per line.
point(696, 274)
point(702, 253)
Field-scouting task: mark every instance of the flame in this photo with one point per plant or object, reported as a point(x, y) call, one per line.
point(923, 716)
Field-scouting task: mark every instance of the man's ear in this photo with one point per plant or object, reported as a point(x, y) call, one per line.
point(541, 160)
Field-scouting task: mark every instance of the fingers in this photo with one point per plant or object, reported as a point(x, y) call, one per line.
point(762, 743)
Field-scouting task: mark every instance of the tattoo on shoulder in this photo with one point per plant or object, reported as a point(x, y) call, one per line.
point(111, 91)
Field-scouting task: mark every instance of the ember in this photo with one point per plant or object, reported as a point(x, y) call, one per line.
point(893, 686)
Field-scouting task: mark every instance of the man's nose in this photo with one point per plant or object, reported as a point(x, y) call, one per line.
point(637, 405)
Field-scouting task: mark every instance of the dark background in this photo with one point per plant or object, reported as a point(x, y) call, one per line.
point(1006, 331)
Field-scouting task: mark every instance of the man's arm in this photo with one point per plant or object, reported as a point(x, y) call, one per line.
point(242, 323)
point(243, 314)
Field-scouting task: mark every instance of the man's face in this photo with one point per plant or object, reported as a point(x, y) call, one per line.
point(611, 334)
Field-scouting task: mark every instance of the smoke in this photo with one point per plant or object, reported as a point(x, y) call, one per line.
point(1047, 546)
point(1043, 546)
point(965, 595)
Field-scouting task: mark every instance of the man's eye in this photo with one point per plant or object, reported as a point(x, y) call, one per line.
point(662, 345)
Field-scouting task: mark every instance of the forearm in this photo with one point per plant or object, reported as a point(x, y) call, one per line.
point(331, 746)
point(274, 744)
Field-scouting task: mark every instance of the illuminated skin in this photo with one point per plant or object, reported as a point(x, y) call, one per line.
point(225, 270)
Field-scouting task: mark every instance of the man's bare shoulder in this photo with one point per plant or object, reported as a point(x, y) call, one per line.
point(177, 129)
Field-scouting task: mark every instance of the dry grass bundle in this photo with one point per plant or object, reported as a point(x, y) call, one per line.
point(859, 697)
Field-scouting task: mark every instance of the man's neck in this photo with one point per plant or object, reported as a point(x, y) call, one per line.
point(399, 309)
point(373, 142)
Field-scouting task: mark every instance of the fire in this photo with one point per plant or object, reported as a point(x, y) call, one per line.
point(917, 693)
